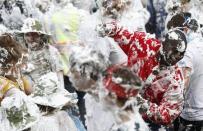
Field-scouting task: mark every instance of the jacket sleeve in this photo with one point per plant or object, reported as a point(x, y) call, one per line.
point(138, 42)
point(169, 107)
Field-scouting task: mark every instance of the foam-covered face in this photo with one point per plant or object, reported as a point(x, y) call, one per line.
point(173, 5)
point(114, 8)
point(173, 47)
point(172, 52)
point(33, 39)
point(43, 5)
point(9, 4)
point(86, 66)
point(84, 77)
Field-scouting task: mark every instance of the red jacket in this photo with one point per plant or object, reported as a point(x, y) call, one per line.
point(163, 89)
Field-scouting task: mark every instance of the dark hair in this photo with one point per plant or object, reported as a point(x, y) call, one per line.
point(10, 50)
point(178, 20)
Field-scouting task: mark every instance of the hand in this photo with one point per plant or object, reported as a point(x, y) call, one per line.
point(106, 29)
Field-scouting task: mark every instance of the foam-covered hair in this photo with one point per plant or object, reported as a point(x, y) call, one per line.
point(114, 8)
point(10, 51)
point(178, 20)
point(177, 38)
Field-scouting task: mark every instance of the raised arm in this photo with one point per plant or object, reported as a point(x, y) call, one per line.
point(128, 41)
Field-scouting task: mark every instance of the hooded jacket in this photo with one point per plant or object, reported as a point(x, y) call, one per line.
point(163, 89)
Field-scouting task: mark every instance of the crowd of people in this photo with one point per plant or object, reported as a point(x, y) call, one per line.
point(101, 65)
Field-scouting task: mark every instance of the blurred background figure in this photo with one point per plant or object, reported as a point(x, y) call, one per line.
point(158, 14)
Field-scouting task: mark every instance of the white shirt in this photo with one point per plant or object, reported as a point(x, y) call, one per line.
point(101, 118)
point(193, 104)
point(97, 119)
